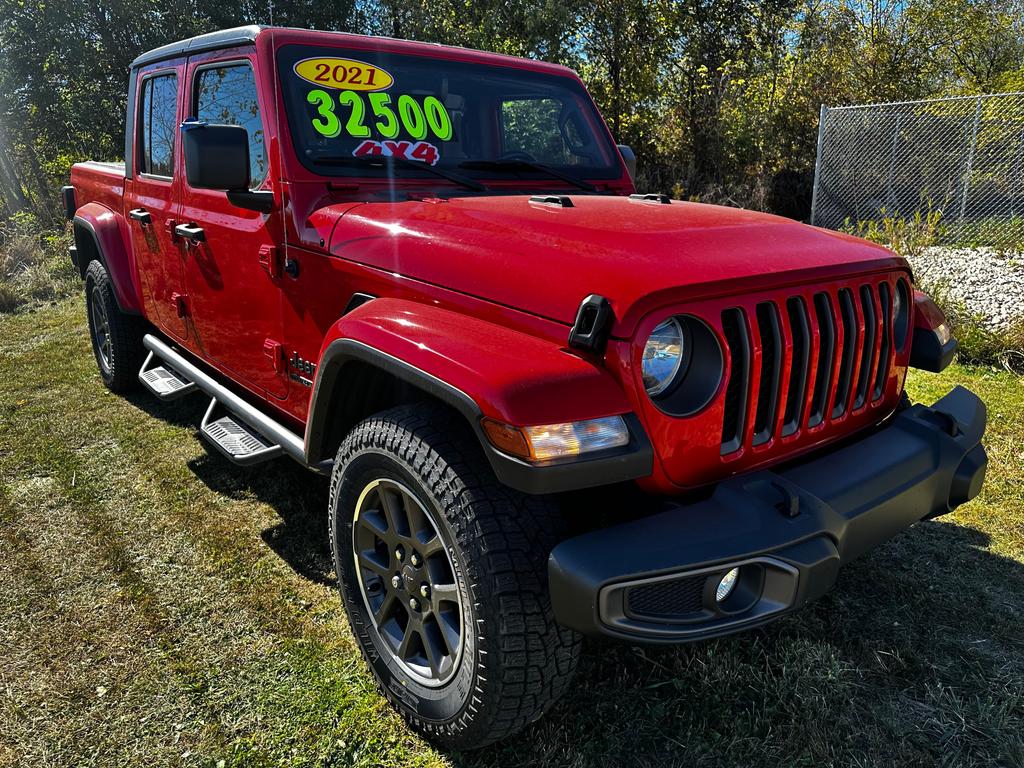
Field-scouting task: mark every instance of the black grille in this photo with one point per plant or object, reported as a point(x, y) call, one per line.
point(826, 348)
point(795, 397)
point(815, 357)
point(734, 328)
point(848, 317)
point(668, 599)
point(771, 371)
point(885, 299)
point(869, 348)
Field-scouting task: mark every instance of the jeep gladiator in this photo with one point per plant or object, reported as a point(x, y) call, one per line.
point(549, 407)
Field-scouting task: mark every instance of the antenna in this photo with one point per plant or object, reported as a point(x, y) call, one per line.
point(271, 4)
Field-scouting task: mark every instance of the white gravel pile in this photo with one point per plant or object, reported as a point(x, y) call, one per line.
point(987, 281)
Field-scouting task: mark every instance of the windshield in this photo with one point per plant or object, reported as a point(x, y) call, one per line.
point(346, 107)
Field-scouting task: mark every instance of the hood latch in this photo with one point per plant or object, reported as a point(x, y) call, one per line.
point(593, 324)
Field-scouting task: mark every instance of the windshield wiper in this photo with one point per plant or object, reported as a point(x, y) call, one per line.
point(385, 160)
point(527, 165)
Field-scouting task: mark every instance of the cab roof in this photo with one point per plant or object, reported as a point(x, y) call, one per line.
point(238, 36)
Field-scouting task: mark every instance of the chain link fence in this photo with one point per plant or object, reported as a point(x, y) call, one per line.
point(960, 157)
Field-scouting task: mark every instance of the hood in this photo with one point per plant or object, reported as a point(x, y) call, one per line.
point(545, 259)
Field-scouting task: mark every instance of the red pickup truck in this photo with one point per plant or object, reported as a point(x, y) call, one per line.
point(549, 407)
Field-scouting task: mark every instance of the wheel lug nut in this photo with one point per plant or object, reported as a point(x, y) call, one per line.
point(399, 554)
point(415, 559)
point(396, 581)
point(414, 603)
point(424, 590)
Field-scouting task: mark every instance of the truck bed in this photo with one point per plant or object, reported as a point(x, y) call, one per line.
point(98, 182)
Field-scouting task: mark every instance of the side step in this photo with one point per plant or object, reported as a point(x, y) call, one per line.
point(238, 442)
point(245, 435)
point(164, 382)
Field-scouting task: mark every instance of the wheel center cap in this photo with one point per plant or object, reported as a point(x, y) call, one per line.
point(409, 574)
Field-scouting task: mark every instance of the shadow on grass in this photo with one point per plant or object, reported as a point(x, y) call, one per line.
point(297, 495)
point(914, 657)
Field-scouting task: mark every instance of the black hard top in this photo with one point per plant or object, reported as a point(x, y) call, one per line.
point(225, 38)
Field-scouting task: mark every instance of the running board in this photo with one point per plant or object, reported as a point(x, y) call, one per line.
point(236, 440)
point(246, 433)
point(164, 382)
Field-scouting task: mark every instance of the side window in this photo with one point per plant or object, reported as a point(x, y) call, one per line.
point(158, 119)
point(543, 129)
point(226, 95)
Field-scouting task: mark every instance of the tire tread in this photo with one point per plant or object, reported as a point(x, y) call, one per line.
point(526, 659)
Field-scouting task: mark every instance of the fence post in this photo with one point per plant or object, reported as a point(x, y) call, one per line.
point(970, 161)
point(817, 163)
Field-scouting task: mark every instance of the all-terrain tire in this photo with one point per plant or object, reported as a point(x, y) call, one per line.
point(116, 336)
point(515, 661)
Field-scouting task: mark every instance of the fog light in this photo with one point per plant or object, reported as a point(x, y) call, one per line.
point(727, 584)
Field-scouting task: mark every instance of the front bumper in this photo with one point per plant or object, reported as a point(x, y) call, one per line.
point(788, 532)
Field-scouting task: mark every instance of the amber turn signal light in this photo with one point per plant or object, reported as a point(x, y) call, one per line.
point(507, 438)
point(557, 441)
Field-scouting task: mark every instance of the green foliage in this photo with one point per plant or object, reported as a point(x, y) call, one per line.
point(907, 237)
point(1005, 235)
point(33, 267)
point(719, 98)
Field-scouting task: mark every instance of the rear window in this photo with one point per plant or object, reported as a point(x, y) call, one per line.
point(158, 122)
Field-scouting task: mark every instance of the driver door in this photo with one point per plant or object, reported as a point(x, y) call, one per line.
point(233, 290)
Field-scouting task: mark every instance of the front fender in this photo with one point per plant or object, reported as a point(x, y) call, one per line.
point(102, 227)
point(480, 369)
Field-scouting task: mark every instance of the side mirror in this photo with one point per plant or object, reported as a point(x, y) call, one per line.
point(216, 156)
point(629, 159)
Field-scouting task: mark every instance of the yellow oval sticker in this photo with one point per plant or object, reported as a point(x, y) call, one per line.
point(345, 74)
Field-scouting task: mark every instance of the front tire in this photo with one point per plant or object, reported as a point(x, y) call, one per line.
point(116, 336)
point(443, 572)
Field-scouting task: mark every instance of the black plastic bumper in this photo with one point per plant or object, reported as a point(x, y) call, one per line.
point(788, 532)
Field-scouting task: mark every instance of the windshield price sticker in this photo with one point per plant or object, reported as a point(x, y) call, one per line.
point(347, 74)
point(381, 117)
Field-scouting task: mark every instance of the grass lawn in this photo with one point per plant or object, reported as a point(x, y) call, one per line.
point(159, 606)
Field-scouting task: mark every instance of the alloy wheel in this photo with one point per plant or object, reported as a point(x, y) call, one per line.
point(100, 328)
point(407, 581)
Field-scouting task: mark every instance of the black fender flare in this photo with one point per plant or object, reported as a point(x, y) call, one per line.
point(631, 462)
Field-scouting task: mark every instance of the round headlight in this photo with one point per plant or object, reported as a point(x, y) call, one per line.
point(663, 355)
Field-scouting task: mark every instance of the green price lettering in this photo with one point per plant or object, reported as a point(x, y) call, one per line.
point(354, 126)
point(412, 117)
point(387, 125)
point(326, 123)
point(437, 118)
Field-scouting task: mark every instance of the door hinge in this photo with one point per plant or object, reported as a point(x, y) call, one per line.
point(275, 351)
point(270, 260)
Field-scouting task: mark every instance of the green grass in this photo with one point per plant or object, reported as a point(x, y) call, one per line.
point(161, 607)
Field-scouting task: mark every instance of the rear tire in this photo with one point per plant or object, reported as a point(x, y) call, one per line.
point(413, 479)
point(116, 336)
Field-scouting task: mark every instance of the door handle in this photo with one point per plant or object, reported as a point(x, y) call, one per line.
point(190, 232)
point(141, 215)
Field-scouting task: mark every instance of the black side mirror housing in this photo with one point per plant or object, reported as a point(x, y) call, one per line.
point(629, 159)
point(216, 156)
